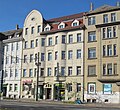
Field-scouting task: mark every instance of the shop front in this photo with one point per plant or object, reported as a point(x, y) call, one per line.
point(59, 91)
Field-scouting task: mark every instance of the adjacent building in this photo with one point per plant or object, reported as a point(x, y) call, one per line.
point(102, 54)
point(12, 63)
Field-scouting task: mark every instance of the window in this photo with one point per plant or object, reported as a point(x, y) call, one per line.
point(78, 70)
point(75, 24)
point(70, 54)
point(50, 41)
point(114, 31)
point(12, 59)
point(7, 48)
point(91, 70)
point(69, 71)
point(42, 56)
point(31, 58)
point(115, 68)
point(56, 55)
point(32, 30)
point(42, 71)
point(79, 54)
point(113, 17)
point(109, 50)
point(26, 45)
point(25, 58)
point(16, 72)
point(16, 87)
point(104, 69)
point(92, 53)
point(26, 31)
point(79, 37)
point(56, 40)
point(32, 44)
point(56, 71)
point(114, 47)
point(10, 87)
point(43, 42)
point(24, 72)
point(49, 56)
point(12, 47)
point(49, 72)
point(63, 39)
point(47, 29)
point(78, 87)
point(104, 50)
point(70, 38)
point(109, 69)
point(61, 26)
point(104, 32)
point(91, 20)
point(35, 72)
point(30, 72)
point(91, 88)
point(7, 60)
point(35, 57)
point(109, 32)
point(38, 29)
point(63, 54)
point(70, 87)
point(91, 36)
point(107, 88)
point(62, 71)
point(11, 73)
point(105, 18)
point(17, 45)
point(36, 42)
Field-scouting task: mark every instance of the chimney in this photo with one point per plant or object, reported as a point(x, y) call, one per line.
point(17, 26)
point(118, 4)
point(91, 6)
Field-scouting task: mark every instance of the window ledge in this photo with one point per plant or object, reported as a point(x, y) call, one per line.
point(110, 56)
point(92, 76)
point(109, 38)
point(92, 41)
point(111, 75)
point(92, 58)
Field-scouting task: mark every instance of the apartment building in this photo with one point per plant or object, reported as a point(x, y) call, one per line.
point(102, 54)
point(57, 46)
point(64, 57)
point(12, 47)
point(33, 52)
point(2, 37)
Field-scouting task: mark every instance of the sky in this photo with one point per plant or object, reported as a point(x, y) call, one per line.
point(14, 12)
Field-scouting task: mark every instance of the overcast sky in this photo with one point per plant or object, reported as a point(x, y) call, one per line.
point(13, 12)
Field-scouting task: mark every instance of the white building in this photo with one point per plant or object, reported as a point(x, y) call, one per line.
point(12, 63)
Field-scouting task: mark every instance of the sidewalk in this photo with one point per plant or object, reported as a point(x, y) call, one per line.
point(65, 103)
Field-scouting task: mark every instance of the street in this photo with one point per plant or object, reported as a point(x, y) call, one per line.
point(16, 105)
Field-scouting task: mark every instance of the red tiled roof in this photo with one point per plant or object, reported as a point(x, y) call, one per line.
point(64, 18)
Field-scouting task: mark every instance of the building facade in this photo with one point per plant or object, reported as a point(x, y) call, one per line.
point(12, 63)
point(102, 77)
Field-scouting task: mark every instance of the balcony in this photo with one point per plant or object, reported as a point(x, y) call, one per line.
point(109, 78)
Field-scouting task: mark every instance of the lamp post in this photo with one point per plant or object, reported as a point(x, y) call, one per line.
point(38, 64)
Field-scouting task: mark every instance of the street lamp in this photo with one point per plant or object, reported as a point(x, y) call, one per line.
point(38, 64)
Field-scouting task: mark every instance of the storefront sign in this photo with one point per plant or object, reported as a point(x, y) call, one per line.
point(27, 81)
point(61, 85)
point(107, 88)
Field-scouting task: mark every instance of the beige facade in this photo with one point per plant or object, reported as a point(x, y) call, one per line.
point(102, 75)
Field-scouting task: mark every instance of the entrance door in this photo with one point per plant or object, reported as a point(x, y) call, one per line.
point(48, 93)
point(4, 91)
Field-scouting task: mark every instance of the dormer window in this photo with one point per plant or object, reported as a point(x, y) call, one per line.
point(10, 37)
point(75, 23)
point(47, 28)
point(61, 25)
point(17, 35)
